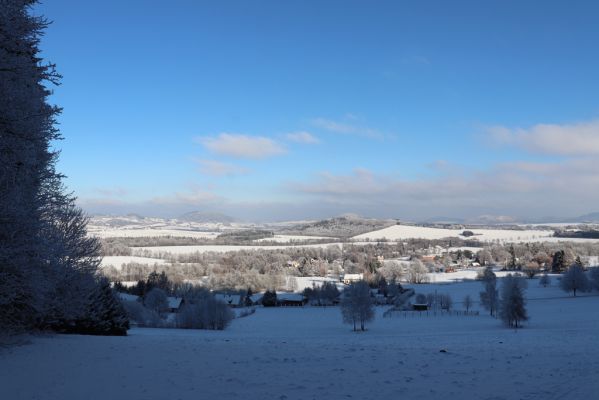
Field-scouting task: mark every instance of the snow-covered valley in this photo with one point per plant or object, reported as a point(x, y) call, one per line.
point(307, 353)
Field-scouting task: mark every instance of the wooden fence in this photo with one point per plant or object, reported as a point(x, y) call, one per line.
point(429, 313)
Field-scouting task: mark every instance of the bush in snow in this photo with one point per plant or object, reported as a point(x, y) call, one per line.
point(545, 280)
point(574, 279)
point(142, 315)
point(512, 308)
point(357, 305)
point(208, 313)
point(156, 300)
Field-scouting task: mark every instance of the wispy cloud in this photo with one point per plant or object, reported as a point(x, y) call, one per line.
point(302, 137)
point(242, 146)
point(195, 197)
point(116, 191)
point(580, 139)
point(347, 128)
point(219, 168)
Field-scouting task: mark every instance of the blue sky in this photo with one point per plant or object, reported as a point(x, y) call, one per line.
point(270, 110)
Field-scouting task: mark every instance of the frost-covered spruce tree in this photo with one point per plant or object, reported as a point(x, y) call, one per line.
point(512, 308)
point(47, 263)
point(26, 130)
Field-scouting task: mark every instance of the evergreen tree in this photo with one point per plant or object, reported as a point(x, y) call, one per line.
point(26, 131)
point(269, 299)
point(247, 300)
point(558, 263)
point(105, 314)
point(48, 263)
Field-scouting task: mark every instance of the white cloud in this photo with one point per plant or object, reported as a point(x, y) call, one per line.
point(242, 146)
point(566, 139)
point(302, 137)
point(347, 128)
point(195, 197)
point(219, 168)
point(523, 189)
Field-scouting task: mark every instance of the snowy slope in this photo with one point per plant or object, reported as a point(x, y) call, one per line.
point(401, 232)
point(306, 353)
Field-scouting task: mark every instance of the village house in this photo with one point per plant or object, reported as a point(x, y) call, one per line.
point(348, 279)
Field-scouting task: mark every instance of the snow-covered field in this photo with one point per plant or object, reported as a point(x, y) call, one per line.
point(307, 353)
point(118, 261)
point(402, 232)
point(148, 232)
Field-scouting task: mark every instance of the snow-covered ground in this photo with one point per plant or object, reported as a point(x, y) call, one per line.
point(118, 261)
point(225, 248)
point(149, 232)
point(307, 353)
point(402, 232)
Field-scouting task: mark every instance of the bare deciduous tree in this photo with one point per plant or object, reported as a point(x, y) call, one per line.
point(357, 305)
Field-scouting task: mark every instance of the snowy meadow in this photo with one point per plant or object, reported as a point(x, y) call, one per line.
point(307, 353)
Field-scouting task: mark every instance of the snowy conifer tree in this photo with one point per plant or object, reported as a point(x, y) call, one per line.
point(47, 262)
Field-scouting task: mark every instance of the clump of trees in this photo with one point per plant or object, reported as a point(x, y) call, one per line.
point(203, 311)
point(269, 299)
point(48, 264)
point(324, 295)
point(357, 306)
point(417, 273)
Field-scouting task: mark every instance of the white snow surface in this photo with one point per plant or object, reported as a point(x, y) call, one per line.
point(401, 232)
point(307, 353)
point(149, 232)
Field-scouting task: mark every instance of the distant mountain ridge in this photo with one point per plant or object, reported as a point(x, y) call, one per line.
point(206, 217)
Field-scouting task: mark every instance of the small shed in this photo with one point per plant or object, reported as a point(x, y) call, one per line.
point(285, 299)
